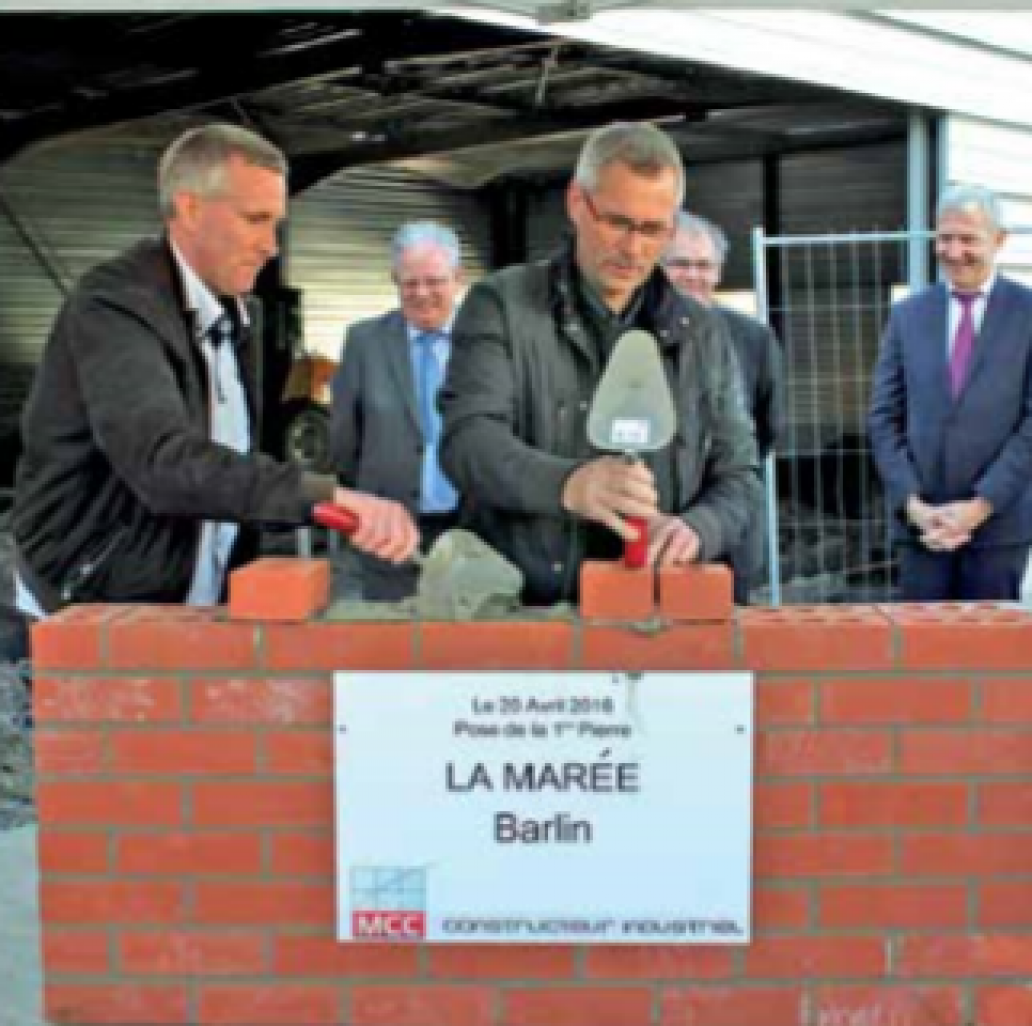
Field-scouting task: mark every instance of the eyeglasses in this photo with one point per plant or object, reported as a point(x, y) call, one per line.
point(618, 224)
point(430, 284)
point(679, 264)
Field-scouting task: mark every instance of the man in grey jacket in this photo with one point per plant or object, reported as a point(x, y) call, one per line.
point(694, 262)
point(139, 479)
point(529, 346)
point(385, 423)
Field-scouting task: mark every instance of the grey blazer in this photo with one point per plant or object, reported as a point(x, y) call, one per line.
point(929, 444)
point(377, 438)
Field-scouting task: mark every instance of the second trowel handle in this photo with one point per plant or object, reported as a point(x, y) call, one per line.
point(636, 551)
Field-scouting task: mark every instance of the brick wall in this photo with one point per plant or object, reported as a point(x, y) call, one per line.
point(185, 804)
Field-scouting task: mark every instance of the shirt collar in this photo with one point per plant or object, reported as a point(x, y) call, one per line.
point(199, 298)
point(985, 289)
point(444, 331)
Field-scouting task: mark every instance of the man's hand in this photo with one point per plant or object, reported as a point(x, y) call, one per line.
point(672, 542)
point(608, 489)
point(385, 528)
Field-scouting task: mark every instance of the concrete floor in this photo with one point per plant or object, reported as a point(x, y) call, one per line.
point(19, 929)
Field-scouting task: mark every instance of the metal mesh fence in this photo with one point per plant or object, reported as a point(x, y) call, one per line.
point(826, 507)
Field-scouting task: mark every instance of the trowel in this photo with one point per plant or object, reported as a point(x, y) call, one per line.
point(633, 412)
point(460, 578)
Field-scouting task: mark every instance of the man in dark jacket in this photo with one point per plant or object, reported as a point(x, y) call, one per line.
point(139, 463)
point(528, 349)
point(694, 262)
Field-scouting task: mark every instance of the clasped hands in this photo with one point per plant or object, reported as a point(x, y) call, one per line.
point(947, 527)
point(610, 489)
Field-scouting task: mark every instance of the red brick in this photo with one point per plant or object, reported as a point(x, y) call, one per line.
point(500, 962)
point(265, 904)
point(207, 643)
point(110, 803)
point(782, 805)
point(325, 956)
point(698, 593)
point(780, 907)
point(816, 957)
point(72, 639)
point(72, 851)
point(609, 591)
point(273, 1004)
point(797, 639)
point(273, 701)
point(1007, 903)
point(954, 854)
point(340, 646)
point(683, 647)
point(188, 854)
point(906, 1004)
point(258, 804)
point(784, 702)
point(183, 753)
point(184, 952)
point(910, 700)
point(971, 956)
point(785, 856)
point(1008, 700)
point(1004, 1006)
point(438, 1005)
point(75, 951)
point(279, 589)
point(141, 1004)
point(811, 753)
point(98, 699)
point(528, 644)
point(111, 901)
point(658, 962)
point(971, 636)
point(299, 752)
point(732, 1006)
point(60, 752)
point(877, 803)
point(309, 854)
point(607, 1006)
point(989, 752)
point(892, 906)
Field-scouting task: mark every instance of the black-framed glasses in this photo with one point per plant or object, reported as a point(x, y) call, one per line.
point(619, 224)
point(684, 264)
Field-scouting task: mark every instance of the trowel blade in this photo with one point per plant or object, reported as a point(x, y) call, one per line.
point(633, 409)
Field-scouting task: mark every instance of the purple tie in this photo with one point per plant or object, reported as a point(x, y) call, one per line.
point(963, 341)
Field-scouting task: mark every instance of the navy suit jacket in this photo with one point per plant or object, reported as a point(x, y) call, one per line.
point(927, 443)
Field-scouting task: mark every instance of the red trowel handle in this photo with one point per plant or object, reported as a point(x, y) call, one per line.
point(336, 518)
point(636, 552)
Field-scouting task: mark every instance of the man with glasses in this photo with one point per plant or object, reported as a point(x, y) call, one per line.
point(385, 425)
point(694, 262)
point(530, 345)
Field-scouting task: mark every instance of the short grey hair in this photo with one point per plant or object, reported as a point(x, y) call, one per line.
point(642, 147)
point(696, 225)
point(971, 199)
point(196, 161)
point(421, 233)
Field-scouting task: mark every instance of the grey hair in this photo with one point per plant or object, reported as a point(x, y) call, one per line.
point(421, 233)
point(971, 199)
point(696, 225)
point(196, 161)
point(642, 147)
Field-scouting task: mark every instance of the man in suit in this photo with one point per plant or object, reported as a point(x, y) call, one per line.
point(951, 415)
point(694, 262)
point(385, 427)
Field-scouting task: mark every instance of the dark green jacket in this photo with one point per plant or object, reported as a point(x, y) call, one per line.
point(520, 381)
